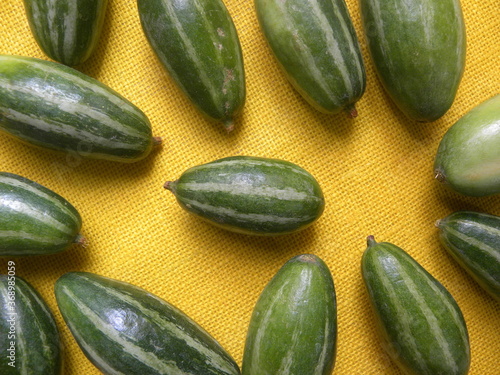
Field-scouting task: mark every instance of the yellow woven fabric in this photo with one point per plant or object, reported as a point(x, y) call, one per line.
point(375, 171)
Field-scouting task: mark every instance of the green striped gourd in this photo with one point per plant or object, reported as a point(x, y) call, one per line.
point(50, 105)
point(421, 325)
point(468, 157)
point(473, 240)
point(29, 340)
point(315, 44)
point(123, 329)
point(251, 195)
point(33, 219)
point(293, 329)
point(66, 31)
point(418, 49)
point(197, 43)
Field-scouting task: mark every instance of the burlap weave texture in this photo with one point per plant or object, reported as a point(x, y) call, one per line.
point(375, 171)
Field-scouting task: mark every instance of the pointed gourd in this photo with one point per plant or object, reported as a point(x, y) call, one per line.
point(473, 240)
point(53, 106)
point(66, 31)
point(250, 195)
point(316, 45)
point(123, 329)
point(34, 220)
point(30, 342)
point(293, 328)
point(421, 325)
point(468, 156)
point(197, 43)
point(418, 50)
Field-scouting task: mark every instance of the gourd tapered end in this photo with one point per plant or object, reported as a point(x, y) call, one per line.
point(229, 125)
point(80, 240)
point(351, 110)
point(370, 240)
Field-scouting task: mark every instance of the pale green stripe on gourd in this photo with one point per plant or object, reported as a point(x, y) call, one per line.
point(251, 162)
point(426, 312)
point(142, 333)
point(307, 55)
point(61, 128)
point(70, 107)
point(37, 320)
point(481, 246)
point(452, 308)
point(73, 108)
point(9, 234)
point(70, 23)
point(15, 183)
point(234, 189)
point(430, 318)
point(23, 348)
point(36, 215)
point(212, 31)
point(259, 337)
point(405, 317)
point(86, 83)
point(322, 23)
point(190, 51)
point(241, 216)
point(493, 253)
point(31, 212)
point(126, 345)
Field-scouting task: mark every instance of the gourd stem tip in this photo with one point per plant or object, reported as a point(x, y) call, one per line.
point(168, 185)
point(229, 125)
point(439, 175)
point(370, 240)
point(80, 240)
point(351, 111)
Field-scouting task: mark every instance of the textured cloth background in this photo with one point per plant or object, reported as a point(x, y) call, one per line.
point(375, 170)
